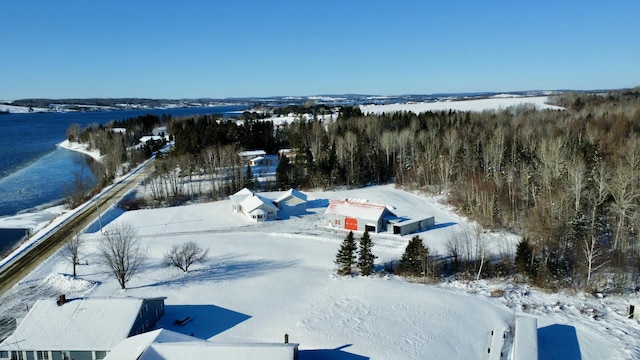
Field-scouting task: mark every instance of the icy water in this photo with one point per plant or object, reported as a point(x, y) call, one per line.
point(35, 173)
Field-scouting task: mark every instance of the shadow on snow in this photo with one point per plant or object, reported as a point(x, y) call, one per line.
point(104, 219)
point(333, 354)
point(558, 342)
point(202, 321)
point(226, 268)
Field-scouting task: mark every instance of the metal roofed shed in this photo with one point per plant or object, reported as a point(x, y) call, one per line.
point(403, 227)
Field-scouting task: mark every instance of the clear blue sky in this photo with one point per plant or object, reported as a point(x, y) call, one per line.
point(189, 49)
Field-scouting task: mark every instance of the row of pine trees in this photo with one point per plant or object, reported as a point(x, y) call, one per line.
point(357, 257)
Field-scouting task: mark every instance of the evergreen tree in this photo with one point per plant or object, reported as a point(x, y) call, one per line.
point(283, 173)
point(414, 259)
point(249, 180)
point(524, 255)
point(365, 256)
point(345, 258)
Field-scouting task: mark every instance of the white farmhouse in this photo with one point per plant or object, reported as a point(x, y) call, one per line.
point(254, 206)
point(80, 329)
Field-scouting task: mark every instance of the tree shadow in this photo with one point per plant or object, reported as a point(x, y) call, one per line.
point(225, 268)
point(558, 342)
point(332, 354)
point(104, 218)
point(202, 321)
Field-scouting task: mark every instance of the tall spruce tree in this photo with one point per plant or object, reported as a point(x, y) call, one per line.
point(415, 257)
point(524, 255)
point(345, 258)
point(283, 173)
point(249, 181)
point(365, 255)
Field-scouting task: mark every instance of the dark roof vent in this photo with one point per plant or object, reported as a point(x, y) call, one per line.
point(61, 300)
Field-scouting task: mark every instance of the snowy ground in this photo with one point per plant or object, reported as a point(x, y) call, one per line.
point(19, 109)
point(82, 148)
point(265, 280)
point(497, 102)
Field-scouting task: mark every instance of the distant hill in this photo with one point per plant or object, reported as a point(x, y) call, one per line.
point(271, 101)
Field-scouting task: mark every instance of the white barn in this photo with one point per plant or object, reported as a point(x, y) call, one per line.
point(254, 206)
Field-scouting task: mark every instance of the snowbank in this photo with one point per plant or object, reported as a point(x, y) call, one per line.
point(81, 148)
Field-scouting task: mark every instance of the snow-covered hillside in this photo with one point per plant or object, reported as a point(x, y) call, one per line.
point(493, 103)
point(264, 280)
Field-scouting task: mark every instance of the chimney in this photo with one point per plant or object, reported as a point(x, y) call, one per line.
point(61, 300)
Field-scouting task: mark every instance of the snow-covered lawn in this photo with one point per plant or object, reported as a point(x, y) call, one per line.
point(269, 279)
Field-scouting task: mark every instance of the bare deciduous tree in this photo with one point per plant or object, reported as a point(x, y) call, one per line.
point(592, 257)
point(71, 251)
point(184, 255)
point(122, 253)
point(577, 178)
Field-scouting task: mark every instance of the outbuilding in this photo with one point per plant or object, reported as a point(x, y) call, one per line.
point(358, 215)
point(291, 203)
point(251, 154)
point(403, 227)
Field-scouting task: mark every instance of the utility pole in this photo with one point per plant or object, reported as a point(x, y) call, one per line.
point(99, 218)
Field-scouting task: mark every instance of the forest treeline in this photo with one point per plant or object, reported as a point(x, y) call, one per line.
point(568, 181)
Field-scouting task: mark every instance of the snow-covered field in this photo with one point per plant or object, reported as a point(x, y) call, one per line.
point(493, 103)
point(264, 280)
point(19, 109)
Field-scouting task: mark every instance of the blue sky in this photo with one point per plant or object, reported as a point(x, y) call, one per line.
point(217, 49)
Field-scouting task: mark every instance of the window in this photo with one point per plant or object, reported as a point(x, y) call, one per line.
point(4, 354)
point(42, 355)
point(100, 355)
point(16, 355)
point(62, 355)
point(143, 310)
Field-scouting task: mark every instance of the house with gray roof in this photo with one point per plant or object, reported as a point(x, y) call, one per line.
point(80, 328)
